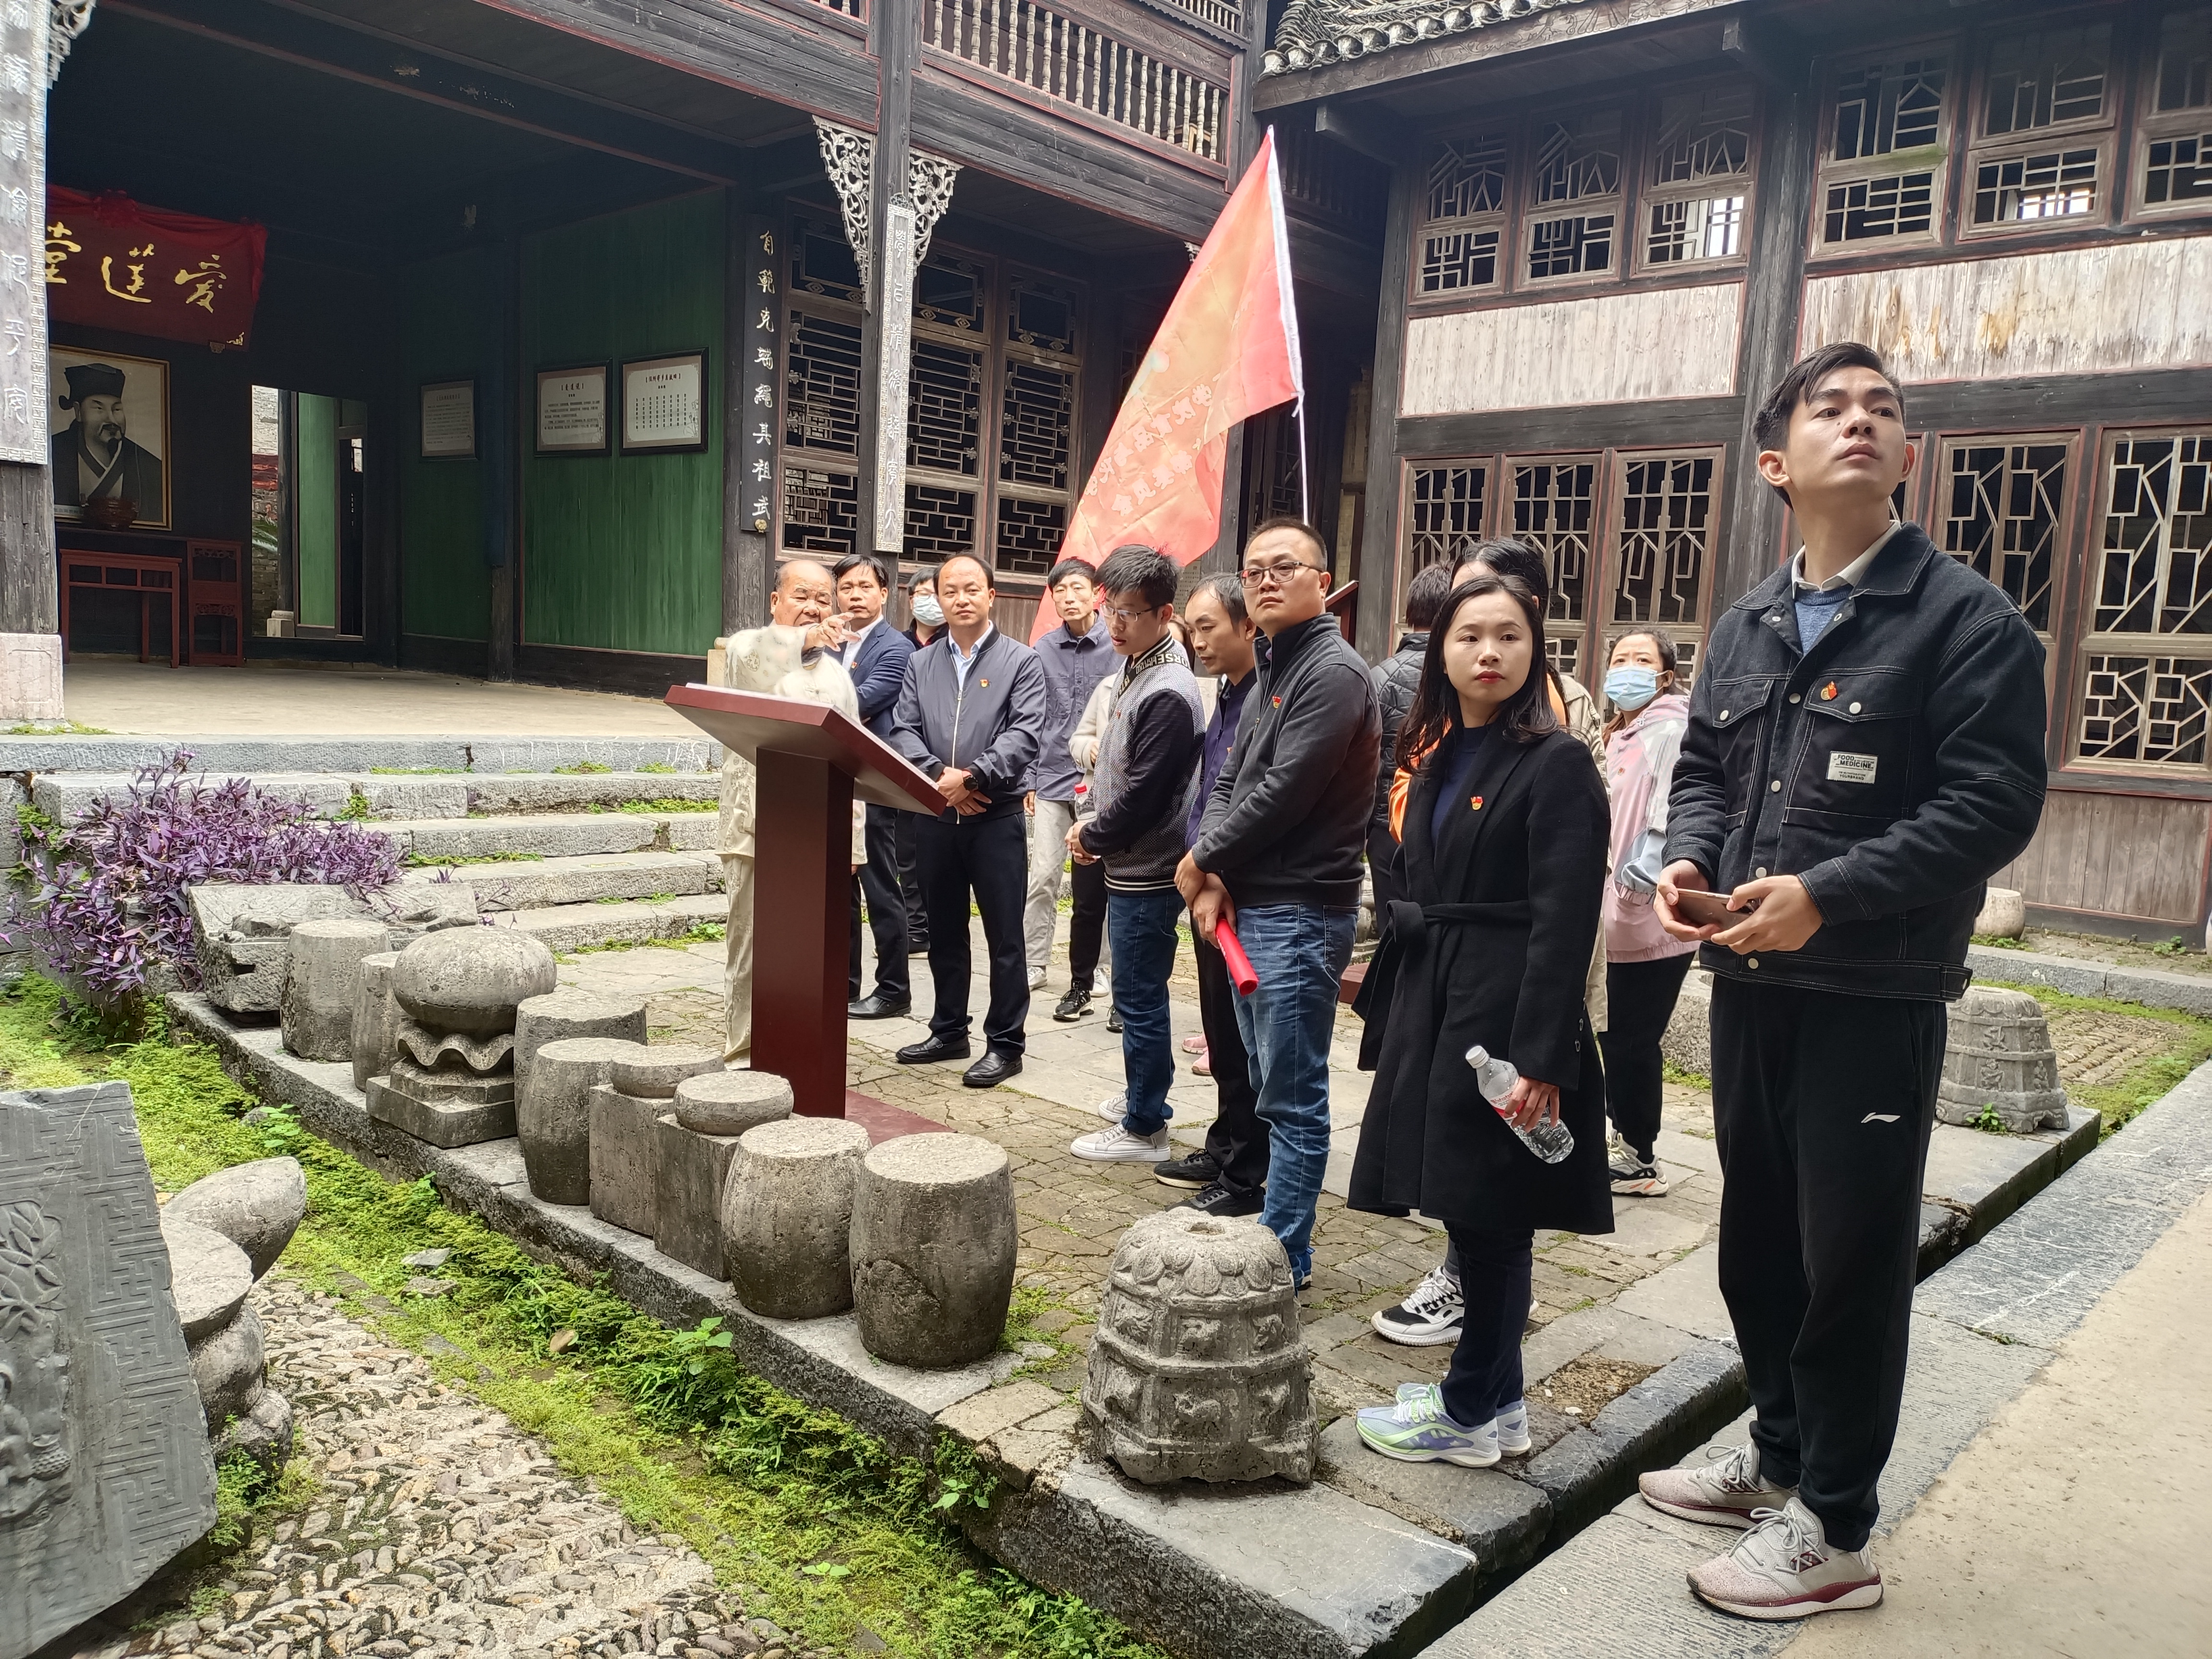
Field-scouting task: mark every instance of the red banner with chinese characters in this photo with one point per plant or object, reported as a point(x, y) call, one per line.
point(112, 264)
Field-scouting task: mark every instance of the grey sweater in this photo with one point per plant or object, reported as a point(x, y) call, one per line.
point(1147, 772)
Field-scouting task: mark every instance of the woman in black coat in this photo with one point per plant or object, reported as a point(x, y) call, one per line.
point(1505, 831)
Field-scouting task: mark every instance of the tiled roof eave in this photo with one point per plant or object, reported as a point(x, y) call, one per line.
point(1316, 33)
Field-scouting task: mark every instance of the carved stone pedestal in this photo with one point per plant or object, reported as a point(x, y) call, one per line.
point(447, 1108)
point(687, 1217)
point(626, 1159)
point(1998, 1056)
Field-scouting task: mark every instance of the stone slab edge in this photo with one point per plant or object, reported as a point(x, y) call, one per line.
point(2010, 1299)
point(353, 754)
point(811, 1359)
point(2190, 993)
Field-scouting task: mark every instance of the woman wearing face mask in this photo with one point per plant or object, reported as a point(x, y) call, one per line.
point(1644, 966)
point(1504, 836)
point(928, 615)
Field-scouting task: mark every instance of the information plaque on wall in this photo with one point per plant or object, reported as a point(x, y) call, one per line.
point(572, 411)
point(664, 403)
point(449, 420)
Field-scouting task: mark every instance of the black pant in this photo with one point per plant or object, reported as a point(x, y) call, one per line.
point(1494, 1269)
point(1384, 868)
point(1822, 1105)
point(1087, 924)
point(1640, 1000)
point(990, 857)
point(909, 877)
point(878, 881)
point(1237, 1140)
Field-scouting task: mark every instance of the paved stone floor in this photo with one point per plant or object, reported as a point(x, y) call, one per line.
point(1072, 1212)
point(267, 699)
point(442, 1530)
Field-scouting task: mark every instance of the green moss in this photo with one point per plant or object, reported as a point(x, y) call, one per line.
point(668, 804)
point(416, 771)
point(700, 932)
point(2000, 942)
point(55, 729)
point(582, 769)
point(1675, 1074)
point(431, 860)
point(831, 1529)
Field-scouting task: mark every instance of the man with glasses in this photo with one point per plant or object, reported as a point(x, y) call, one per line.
point(1142, 787)
point(969, 715)
point(874, 655)
point(1279, 857)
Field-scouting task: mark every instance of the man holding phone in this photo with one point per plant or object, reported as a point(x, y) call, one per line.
point(1865, 749)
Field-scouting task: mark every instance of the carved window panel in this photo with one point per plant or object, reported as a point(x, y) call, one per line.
point(1576, 165)
point(1041, 315)
point(1698, 177)
point(1445, 511)
point(1029, 534)
point(939, 523)
point(822, 261)
point(1037, 418)
point(2047, 78)
point(2037, 186)
point(1882, 164)
point(2055, 88)
point(2002, 509)
point(1464, 219)
point(2156, 564)
point(950, 294)
point(1554, 510)
point(944, 409)
point(822, 385)
point(2150, 710)
point(821, 511)
point(1664, 540)
point(2173, 143)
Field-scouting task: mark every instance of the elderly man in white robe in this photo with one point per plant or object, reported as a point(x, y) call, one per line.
point(795, 656)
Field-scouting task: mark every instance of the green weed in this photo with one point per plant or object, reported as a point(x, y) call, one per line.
point(1999, 942)
point(432, 861)
point(581, 770)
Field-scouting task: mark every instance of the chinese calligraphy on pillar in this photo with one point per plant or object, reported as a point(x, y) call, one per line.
point(23, 27)
point(757, 367)
point(110, 263)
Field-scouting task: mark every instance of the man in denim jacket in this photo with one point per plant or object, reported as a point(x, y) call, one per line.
point(1865, 749)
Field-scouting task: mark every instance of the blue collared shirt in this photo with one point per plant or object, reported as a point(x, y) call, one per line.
point(1073, 665)
point(962, 662)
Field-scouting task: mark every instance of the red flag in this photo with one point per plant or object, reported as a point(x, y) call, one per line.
point(1228, 349)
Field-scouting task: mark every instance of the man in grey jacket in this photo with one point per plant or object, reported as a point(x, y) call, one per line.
point(970, 713)
point(1140, 801)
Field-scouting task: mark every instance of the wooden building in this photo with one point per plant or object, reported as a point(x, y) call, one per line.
point(487, 219)
point(1613, 223)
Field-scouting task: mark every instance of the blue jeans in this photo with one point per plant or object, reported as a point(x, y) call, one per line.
point(1144, 928)
point(1299, 952)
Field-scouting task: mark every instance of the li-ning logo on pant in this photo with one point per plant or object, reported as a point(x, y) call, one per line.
point(1879, 1118)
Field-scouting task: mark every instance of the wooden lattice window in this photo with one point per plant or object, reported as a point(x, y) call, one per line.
point(1882, 161)
point(1663, 522)
point(2043, 129)
point(2001, 510)
point(1463, 218)
point(1444, 507)
point(1554, 510)
point(1573, 227)
point(1697, 180)
point(2147, 663)
point(2174, 144)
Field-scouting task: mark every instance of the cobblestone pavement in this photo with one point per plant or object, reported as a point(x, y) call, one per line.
point(441, 1529)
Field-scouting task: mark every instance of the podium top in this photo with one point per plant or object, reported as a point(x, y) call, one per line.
point(747, 722)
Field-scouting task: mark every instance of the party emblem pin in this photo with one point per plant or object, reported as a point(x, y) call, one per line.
point(1279, 702)
point(1476, 802)
point(986, 684)
point(1827, 692)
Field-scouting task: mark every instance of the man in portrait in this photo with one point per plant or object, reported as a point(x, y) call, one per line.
point(94, 457)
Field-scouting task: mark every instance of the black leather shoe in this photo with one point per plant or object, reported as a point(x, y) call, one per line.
point(877, 1006)
point(992, 1070)
point(931, 1049)
point(1113, 1018)
point(917, 944)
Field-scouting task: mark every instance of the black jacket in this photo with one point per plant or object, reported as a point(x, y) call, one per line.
point(1287, 821)
point(1493, 947)
point(1397, 677)
point(988, 727)
point(1895, 768)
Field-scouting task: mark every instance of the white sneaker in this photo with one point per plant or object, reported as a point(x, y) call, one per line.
point(1117, 1145)
point(1513, 1430)
point(1036, 979)
point(1785, 1568)
point(1433, 1315)
point(1114, 1108)
point(1726, 1493)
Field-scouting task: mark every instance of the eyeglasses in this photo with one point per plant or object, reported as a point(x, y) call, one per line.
point(1125, 617)
point(1272, 575)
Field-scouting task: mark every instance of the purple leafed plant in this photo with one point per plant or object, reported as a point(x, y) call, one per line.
point(104, 896)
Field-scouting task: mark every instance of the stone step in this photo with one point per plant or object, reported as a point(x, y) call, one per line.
point(66, 796)
point(573, 926)
point(535, 884)
point(460, 754)
point(551, 835)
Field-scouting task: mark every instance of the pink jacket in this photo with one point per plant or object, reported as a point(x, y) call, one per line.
point(1640, 766)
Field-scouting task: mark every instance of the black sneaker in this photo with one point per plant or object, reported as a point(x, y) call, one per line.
point(1634, 1176)
point(1113, 1018)
point(1074, 1005)
point(1198, 1170)
point(1218, 1199)
point(1432, 1316)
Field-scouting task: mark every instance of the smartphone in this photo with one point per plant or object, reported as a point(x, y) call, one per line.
point(1701, 909)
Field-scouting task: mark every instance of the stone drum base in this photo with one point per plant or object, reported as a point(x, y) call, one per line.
point(787, 1216)
point(934, 1240)
point(553, 1112)
point(446, 1109)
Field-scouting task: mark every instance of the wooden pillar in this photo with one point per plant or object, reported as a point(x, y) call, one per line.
point(30, 598)
point(499, 460)
point(1775, 290)
point(1381, 581)
point(753, 320)
point(886, 329)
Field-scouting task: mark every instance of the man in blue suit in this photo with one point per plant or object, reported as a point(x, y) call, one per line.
point(875, 655)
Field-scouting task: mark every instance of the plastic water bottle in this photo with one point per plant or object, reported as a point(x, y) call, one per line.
point(1550, 1141)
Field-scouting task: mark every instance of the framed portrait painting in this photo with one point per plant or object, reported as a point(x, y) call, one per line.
point(109, 426)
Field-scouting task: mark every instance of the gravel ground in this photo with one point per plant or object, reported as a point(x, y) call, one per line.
point(441, 1529)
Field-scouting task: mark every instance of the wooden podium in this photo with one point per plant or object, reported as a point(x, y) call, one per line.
point(811, 763)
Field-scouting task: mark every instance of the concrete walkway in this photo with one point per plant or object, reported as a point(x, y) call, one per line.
point(154, 700)
point(2075, 1524)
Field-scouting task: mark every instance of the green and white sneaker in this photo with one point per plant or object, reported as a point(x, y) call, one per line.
point(1418, 1429)
point(1513, 1439)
